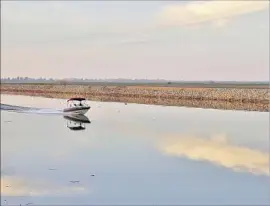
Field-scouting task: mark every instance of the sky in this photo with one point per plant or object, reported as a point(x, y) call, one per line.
point(173, 40)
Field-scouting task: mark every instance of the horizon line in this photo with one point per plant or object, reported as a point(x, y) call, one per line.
point(115, 79)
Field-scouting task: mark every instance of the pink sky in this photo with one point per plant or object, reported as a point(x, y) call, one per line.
point(167, 40)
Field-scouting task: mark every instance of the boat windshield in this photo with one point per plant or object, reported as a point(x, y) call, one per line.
point(77, 103)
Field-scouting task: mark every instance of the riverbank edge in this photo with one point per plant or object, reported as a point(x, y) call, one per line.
point(211, 98)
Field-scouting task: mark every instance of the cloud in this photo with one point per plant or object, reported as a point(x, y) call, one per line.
point(217, 150)
point(18, 186)
point(62, 23)
point(42, 13)
point(217, 12)
point(35, 21)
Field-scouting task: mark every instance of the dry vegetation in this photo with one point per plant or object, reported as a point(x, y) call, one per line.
point(219, 98)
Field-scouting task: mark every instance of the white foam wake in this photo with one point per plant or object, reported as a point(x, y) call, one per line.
point(32, 110)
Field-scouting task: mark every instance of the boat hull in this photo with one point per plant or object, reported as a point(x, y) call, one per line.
point(77, 110)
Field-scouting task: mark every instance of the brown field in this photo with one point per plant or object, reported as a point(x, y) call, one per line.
point(250, 99)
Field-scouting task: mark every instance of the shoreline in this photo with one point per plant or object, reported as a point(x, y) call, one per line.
point(248, 99)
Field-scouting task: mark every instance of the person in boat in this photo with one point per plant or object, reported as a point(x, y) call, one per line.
point(79, 104)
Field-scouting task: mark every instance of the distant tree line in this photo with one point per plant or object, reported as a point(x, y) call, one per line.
point(74, 80)
point(119, 80)
point(26, 79)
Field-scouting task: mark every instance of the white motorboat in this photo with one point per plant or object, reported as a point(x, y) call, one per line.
point(76, 105)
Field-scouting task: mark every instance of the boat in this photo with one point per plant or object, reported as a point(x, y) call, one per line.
point(77, 122)
point(76, 105)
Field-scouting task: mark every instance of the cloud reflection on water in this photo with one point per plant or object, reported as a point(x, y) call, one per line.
point(218, 151)
point(19, 186)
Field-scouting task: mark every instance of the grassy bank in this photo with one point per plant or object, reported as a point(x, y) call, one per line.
point(252, 99)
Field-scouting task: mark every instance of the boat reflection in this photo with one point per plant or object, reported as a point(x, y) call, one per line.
point(77, 122)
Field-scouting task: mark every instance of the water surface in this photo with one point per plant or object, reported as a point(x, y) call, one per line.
point(134, 154)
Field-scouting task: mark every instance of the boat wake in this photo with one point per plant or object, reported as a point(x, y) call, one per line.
point(75, 122)
point(20, 109)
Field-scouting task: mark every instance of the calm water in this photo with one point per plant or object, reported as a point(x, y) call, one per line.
point(138, 154)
